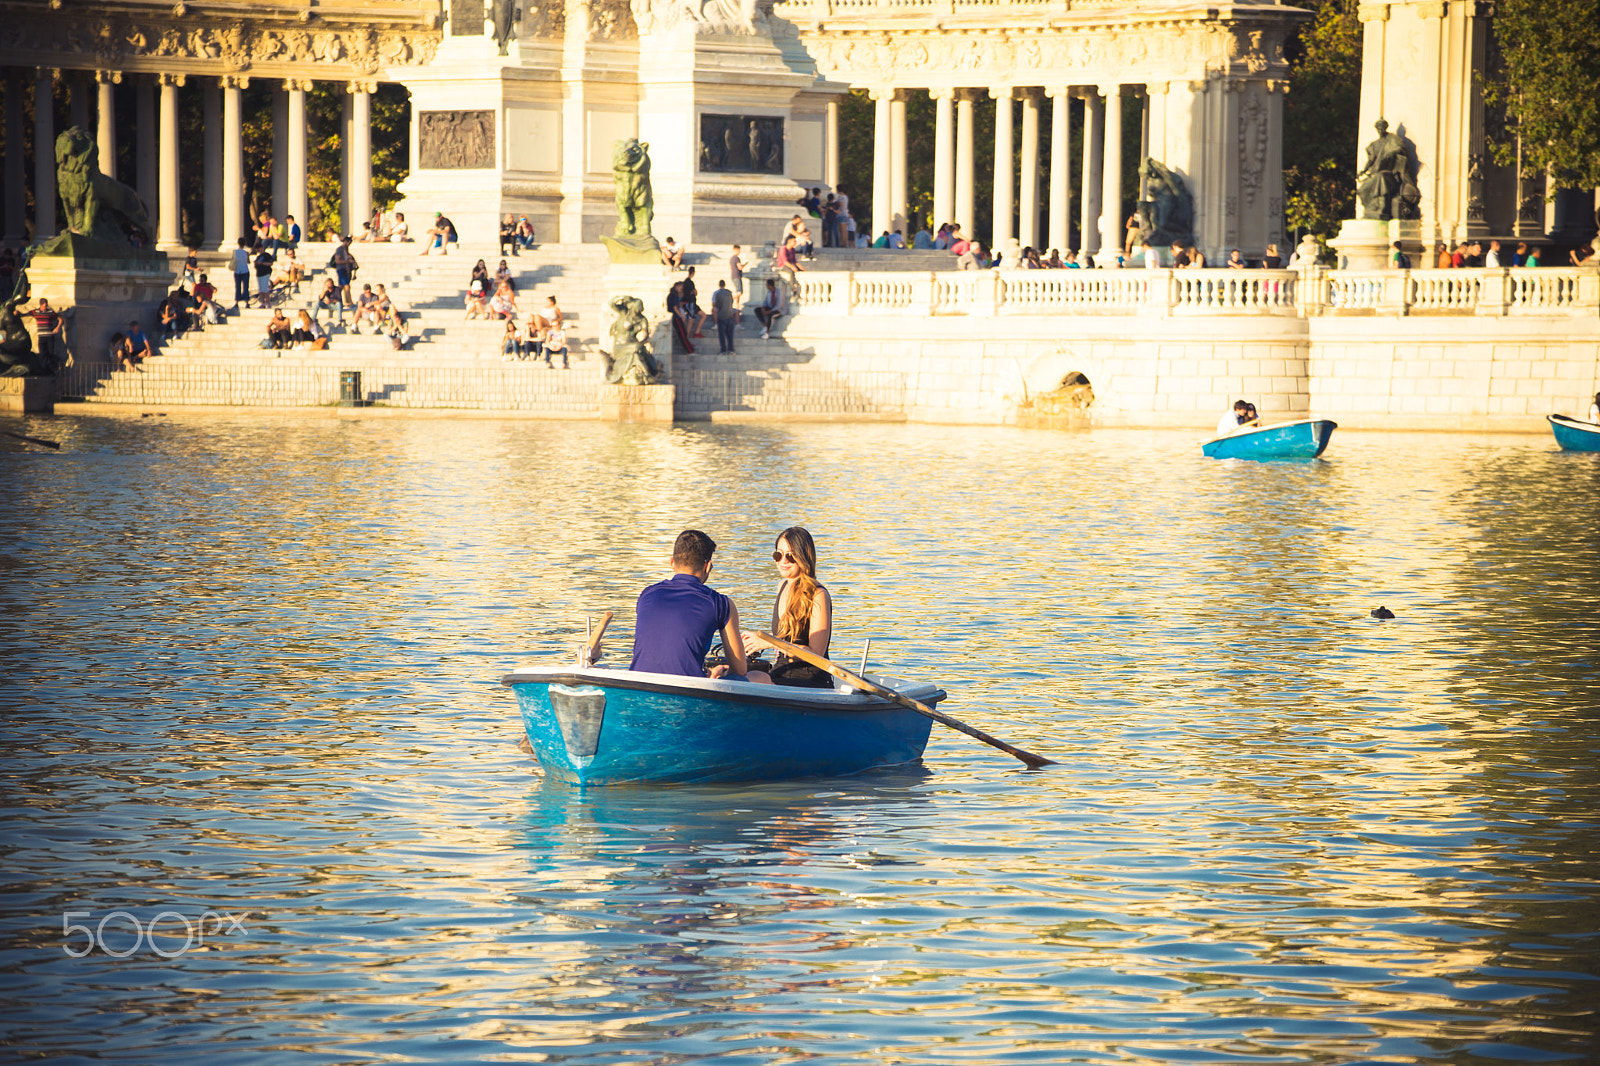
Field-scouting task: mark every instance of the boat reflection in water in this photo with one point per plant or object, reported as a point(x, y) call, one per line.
point(597, 726)
point(676, 914)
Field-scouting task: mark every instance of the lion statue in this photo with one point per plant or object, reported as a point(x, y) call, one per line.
point(636, 205)
point(96, 206)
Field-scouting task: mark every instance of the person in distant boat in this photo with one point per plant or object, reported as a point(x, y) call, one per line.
point(802, 613)
point(676, 618)
point(1243, 414)
point(1594, 409)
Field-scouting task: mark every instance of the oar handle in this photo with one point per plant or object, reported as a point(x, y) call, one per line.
point(858, 682)
point(592, 648)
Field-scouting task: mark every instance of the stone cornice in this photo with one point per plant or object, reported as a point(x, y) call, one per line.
point(330, 41)
point(908, 55)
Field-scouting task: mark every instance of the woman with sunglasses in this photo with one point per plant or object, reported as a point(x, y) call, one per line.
point(801, 614)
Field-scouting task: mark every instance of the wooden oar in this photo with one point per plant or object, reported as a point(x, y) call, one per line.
point(591, 650)
point(858, 682)
point(33, 440)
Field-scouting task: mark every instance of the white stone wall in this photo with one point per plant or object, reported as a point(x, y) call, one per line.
point(1441, 372)
point(971, 369)
point(1435, 372)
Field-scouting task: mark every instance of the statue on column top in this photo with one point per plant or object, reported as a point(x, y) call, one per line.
point(1387, 186)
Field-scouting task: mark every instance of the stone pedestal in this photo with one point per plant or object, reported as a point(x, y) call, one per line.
point(1363, 243)
point(637, 403)
point(99, 297)
point(648, 283)
point(30, 395)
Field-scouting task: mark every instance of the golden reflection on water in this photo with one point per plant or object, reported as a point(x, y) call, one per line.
point(251, 666)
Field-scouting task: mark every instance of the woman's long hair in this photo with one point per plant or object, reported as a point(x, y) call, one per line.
point(804, 590)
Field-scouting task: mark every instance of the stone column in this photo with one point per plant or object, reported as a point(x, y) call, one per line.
point(280, 151)
point(360, 188)
point(169, 227)
point(216, 236)
point(1028, 202)
point(1111, 230)
point(897, 154)
point(232, 162)
point(16, 205)
point(964, 165)
point(44, 155)
point(1005, 178)
point(106, 120)
point(296, 153)
point(944, 158)
point(882, 161)
point(830, 148)
point(144, 145)
point(346, 110)
point(1144, 129)
point(1060, 187)
point(78, 110)
point(1089, 220)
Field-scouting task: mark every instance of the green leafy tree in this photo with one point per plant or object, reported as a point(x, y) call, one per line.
point(1544, 79)
point(1320, 116)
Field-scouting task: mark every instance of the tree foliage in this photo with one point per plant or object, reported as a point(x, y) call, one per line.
point(1544, 78)
point(1320, 116)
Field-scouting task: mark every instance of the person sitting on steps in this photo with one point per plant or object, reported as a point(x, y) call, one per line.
point(329, 300)
point(771, 309)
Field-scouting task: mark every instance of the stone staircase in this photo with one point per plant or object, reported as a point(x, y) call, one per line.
point(451, 362)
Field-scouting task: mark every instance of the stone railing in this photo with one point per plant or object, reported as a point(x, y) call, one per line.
point(1494, 292)
point(1169, 293)
point(1047, 292)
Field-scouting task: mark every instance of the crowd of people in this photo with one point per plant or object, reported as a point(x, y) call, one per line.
point(542, 335)
point(1475, 253)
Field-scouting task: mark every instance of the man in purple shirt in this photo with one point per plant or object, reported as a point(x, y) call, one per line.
point(677, 617)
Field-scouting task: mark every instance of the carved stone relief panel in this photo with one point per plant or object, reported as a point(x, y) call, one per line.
point(455, 140)
point(466, 18)
point(741, 144)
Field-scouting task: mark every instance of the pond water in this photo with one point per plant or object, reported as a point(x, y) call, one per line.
point(249, 672)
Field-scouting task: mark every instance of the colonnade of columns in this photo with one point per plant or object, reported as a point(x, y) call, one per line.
point(1101, 222)
point(157, 149)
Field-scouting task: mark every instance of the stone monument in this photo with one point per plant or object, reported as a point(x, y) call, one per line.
point(636, 205)
point(1387, 200)
point(1166, 207)
point(101, 272)
point(635, 388)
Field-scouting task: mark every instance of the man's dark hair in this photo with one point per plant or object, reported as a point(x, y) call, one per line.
point(692, 549)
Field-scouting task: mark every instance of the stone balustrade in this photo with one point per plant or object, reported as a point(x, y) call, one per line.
point(1557, 291)
point(1563, 292)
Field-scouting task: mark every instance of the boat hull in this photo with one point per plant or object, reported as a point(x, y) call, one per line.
point(607, 727)
point(1291, 440)
point(1573, 435)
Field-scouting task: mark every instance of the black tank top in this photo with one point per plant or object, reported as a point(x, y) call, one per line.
point(796, 672)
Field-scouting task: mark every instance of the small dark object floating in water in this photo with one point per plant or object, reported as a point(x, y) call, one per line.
point(1383, 612)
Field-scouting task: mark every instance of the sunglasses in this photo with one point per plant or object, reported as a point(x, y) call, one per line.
point(779, 557)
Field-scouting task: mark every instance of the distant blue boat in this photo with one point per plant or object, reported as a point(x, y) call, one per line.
point(599, 726)
point(1287, 440)
point(1574, 435)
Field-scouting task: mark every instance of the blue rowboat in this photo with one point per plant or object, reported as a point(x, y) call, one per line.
point(1287, 440)
point(599, 726)
point(1574, 435)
